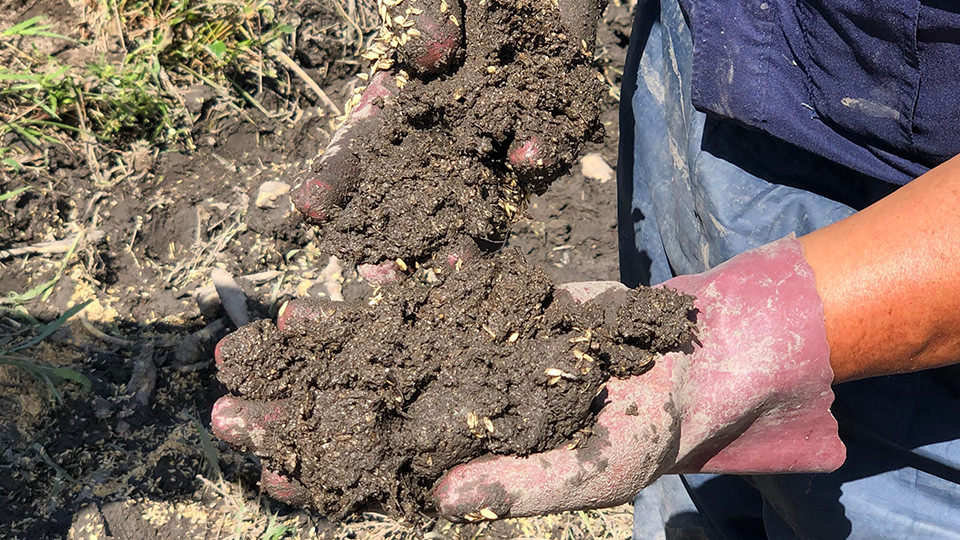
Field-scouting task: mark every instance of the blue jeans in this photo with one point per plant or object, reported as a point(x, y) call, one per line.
point(695, 190)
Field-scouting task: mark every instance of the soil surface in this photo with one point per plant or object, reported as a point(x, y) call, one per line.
point(154, 228)
point(464, 151)
point(490, 358)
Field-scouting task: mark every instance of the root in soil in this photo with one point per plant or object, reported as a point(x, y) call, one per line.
point(458, 155)
point(379, 400)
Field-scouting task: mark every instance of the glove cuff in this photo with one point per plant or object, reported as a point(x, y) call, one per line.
point(756, 396)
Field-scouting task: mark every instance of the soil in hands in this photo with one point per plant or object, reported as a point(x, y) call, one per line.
point(131, 457)
point(379, 400)
point(440, 166)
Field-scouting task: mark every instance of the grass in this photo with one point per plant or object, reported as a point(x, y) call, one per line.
point(16, 347)
point(45, 289)
point(16, 351)
point(46, 101)
point(133, 63)
point(111, 97)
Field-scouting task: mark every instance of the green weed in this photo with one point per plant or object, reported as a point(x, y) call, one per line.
point(114, 100)
point(16, 353)
point(44, 101)
point(31, 27)
point(206, 444)
point(45, 289)
point(276, 531)
point(12, 193)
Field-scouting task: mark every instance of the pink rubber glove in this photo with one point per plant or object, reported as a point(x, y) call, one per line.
point(437, 48)
point(753, 397)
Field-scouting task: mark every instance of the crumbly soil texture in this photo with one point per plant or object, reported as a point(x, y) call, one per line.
point(524, 89)
point(491, 358)
point(130, 450)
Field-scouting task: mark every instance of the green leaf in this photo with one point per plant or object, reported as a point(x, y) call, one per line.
point(63, 266)
point(218, 49)
point(209, 451)
point(30, 27)
point(29, 134)
point(14, 193)
point(50, 327)
point(49, 375)
point(277, 532)
point(21, 28)
point(19, 76)
point(17, 298)
point(70, 375)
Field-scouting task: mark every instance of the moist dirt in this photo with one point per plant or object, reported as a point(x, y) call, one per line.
point(98, 459)
point(490, 358)
point(464, 151)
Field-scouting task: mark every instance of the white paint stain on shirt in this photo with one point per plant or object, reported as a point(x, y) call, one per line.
point(870, 108)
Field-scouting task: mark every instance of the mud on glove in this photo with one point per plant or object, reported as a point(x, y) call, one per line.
point(435, 47)
point(752, 397)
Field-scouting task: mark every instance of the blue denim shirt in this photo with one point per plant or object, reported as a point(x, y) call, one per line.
point(732, 137)
point(872, 85)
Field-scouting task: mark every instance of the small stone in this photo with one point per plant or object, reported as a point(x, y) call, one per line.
point(269, 192)
point(594, 167)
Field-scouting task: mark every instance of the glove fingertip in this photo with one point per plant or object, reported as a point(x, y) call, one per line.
point(283, 488)
point(218, 354)
point(465, 493)
point(321, 192)
point(435, 45)
point(246, 423)
point(225, 422)
point(315, 199)
point(304, 309)
point(379, 274)
point(529, 154)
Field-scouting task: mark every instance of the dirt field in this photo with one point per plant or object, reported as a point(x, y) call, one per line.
point(104, 423)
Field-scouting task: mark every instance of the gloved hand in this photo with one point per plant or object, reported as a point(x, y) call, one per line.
point(753, 397)
point(523, 404)
point(252, 424)
point(434, 44)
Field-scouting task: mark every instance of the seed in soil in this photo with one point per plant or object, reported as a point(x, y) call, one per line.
point(376, 401)
point(458, 155)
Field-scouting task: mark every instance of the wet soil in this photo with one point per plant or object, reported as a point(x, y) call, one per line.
point(168, 217)
point(490, 358)
point(464, 151)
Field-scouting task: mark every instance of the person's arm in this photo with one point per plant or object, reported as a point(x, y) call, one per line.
point(889, 278)
point(868, 296)
point(872, 295)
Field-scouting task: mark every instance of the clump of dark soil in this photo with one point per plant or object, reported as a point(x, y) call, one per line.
point(382, 399)
point(169, 215)
point(459, 154)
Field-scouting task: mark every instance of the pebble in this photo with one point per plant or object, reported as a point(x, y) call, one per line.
point(594, 167)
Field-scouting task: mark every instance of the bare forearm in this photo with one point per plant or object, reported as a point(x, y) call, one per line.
point(889, 277)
